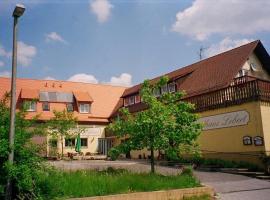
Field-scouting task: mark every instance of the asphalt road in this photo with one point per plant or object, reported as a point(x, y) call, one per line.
point(236, 187)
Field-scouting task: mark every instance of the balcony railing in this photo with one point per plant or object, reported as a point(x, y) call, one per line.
point(241, 90)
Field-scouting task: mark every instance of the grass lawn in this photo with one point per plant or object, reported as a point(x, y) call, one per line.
point(94, 183)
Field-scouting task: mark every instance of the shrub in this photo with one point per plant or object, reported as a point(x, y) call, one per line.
point(114, 153)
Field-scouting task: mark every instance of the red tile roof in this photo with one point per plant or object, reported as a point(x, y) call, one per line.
point(27, 93)
point(82, 96)
point(210, 74)
point(104, 97)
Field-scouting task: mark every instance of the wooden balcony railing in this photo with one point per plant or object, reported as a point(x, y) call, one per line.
point(241, 90)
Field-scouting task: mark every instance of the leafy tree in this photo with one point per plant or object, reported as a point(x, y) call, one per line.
point(63, 125)
point(166, 124)
point(28, 165)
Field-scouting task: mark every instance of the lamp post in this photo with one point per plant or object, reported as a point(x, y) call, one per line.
point(18, 12)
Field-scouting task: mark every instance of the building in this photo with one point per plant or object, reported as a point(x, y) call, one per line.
point(92, 104)
point(231, 92)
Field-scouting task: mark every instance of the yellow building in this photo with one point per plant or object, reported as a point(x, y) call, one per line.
point(231, 92)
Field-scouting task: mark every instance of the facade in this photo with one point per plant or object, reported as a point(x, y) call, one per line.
point(231, 92)
point(92, 104)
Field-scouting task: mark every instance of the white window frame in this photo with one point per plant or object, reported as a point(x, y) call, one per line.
point(137, 97)
point(70, 104)
point(156, 92)
point(31, 106)
point(126, 101)
point(164, 89)
point(172, 86)
point(131, 100)
point(84, 108)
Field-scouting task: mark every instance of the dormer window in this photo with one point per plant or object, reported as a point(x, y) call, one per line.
point(164, 89)
point(31, 106)
point(156, 92)
point(171, 87)
point(45, 106)
point(70, 107)
point(84, 108)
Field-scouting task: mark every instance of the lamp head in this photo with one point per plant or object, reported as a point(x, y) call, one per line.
point(19, 10)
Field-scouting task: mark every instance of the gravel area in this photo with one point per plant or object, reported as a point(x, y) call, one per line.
point(131, 165)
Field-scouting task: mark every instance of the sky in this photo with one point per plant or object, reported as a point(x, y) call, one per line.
point(123, 42)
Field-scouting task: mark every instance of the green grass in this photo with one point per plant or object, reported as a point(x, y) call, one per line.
point(94, 183)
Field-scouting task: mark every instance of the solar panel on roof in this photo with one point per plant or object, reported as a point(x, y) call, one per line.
point(56, 97)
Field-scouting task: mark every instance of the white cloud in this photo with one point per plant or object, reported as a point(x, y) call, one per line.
point(123, 80)
point(5, 74)
point(224, 45)
point(102, 9)
point(48, 78)
point(205, 18)
point(53, 36)
point(85, 78)
point(2, 63)
point(25, 53)
point(4, 53)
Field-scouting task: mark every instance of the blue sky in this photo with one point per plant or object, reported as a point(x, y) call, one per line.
point(123, 42)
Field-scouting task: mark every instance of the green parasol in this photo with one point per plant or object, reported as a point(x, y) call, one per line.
point(78, 144)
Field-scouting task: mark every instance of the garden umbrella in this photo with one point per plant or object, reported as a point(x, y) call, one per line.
point(78, 144)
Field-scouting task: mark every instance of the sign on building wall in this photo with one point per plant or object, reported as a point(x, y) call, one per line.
point(225, 120)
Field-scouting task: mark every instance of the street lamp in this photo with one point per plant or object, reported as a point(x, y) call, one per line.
point(18, 12)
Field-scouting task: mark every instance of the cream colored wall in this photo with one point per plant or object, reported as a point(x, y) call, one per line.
point(261, 73)
point(265, 114)
point(92, 133)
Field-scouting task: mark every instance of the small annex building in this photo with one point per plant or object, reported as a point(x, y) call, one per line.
point(231, 92)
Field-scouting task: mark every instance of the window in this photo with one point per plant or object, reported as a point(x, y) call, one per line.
point(69, 107)
point(164, 89)
point(70, 142)
point(171, 87)
point(131, 100)
point(126, 101)
point(242, 73)
point(31, 106)
point(45, 106)
point(84, 108)
point(247, 140)
point(156, 92)
point(137, 99)
point(84, 142)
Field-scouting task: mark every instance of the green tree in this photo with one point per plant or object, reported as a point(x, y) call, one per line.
point(63, 125)
point(28, 165)
point(166, 124)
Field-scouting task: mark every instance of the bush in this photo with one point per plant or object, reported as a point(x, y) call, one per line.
point(114, 153)
point(28, 166)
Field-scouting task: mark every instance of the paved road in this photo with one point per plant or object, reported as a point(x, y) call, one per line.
point(236, 187)
point(228, 186)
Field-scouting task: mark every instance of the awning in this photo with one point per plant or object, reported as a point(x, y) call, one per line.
point(82, 97)
point(29, 94)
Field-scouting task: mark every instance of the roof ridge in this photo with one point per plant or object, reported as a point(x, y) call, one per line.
point(35, 79)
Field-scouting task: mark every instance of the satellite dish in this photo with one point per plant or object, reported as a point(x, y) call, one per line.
point(253, 66)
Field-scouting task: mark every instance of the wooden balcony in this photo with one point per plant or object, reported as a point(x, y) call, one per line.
point(241, 90)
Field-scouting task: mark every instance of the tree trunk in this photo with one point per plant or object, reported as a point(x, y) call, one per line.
point(152, 160)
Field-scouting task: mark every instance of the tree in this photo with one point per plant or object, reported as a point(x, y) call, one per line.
point(167, 123)
point(25, 172)
point(63, 125)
